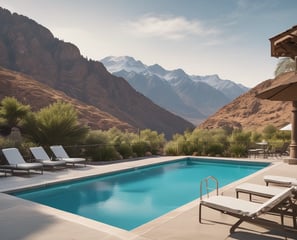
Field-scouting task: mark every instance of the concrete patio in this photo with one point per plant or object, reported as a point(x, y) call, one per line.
point(21, 219)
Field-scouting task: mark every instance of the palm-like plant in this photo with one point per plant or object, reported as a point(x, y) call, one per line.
point(12, 111)
point(55, 124)
point(285, 65)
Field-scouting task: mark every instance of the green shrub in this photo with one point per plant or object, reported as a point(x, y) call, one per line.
point(214, 149)
point(155, 141)
point(140, 148)
point(185, 148)
point(12, 112)
point(283, 135)
point(171, 149)
point(55, 124)
point(238, 150)
point(256, 137)
point(269, 131)
point(125, 150)
point(104, 153)
point(98, 147)
point(6, 143)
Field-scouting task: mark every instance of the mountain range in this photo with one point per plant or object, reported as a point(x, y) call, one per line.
point(192, 97)
point(31, 49)
point(39, 69)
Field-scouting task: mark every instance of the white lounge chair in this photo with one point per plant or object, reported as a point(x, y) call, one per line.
point(61, 154)
point(280, 180)
point(257, 190)
point(248, 211)
point(17, 162)
point(41, 156)
point(264, 191)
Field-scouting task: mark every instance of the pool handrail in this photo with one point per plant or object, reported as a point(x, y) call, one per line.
point(205, 180)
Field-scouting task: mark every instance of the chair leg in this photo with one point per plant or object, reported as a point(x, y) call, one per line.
point(294, 217)
point(235, 225)
point(200, 207)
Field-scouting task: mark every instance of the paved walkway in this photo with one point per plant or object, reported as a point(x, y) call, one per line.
point(21, 219)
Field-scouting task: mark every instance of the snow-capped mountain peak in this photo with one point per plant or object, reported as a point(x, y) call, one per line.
point(116, 64)
point(193, 97)
point(156, 69)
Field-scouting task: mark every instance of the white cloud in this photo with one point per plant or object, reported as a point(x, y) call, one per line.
point(169, 27)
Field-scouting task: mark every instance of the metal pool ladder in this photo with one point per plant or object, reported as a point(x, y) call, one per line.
point(206, 180)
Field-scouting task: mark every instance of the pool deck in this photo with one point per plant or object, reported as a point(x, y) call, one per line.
point(21, 219)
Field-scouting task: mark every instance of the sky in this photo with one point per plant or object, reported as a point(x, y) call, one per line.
point(203, 37)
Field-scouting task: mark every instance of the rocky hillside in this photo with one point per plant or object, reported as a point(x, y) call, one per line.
point(249, 112)
point(38, 95)
point(30, 48)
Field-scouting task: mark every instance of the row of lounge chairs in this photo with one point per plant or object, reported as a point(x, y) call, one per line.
point(282, 200)
point(41, 159)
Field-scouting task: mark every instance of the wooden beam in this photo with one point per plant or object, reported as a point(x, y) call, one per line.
point(285, 44)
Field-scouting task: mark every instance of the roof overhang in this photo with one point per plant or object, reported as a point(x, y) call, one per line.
point(285, 44)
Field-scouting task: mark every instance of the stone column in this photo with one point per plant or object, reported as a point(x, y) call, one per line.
point(293, 146)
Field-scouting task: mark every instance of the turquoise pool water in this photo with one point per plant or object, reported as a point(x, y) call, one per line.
point(131, 198)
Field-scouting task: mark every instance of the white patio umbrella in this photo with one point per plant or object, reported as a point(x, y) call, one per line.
point(287, 127)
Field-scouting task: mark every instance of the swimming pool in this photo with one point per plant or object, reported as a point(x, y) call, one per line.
point(130, 198)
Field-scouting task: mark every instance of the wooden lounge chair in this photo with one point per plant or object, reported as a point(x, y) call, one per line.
point(41, 156)
point(61, 154)
point(251, 212)
point(17, 162)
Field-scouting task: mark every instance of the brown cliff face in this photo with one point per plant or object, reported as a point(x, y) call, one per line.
point(38, 95)
point(250, 113)
point(29, 48)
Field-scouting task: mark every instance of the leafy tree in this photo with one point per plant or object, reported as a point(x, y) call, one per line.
point(269, 131)
point(12, 111)
point(55, 124)
point(285, 65)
